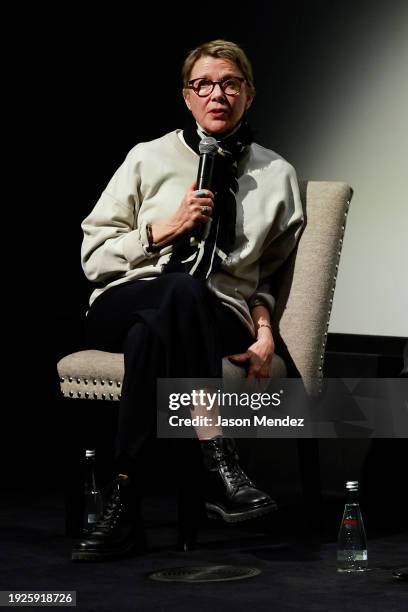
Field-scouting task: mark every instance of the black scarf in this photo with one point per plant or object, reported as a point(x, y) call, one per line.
point(201, 257)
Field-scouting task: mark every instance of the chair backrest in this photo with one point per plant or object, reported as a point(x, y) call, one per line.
point(305, 284)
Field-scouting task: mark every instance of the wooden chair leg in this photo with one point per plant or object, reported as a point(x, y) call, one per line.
point(73, 494)
point(309, 468)
point(191, 503)
point(75, 433)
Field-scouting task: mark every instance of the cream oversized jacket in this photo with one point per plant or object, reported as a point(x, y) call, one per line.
point(149, 186)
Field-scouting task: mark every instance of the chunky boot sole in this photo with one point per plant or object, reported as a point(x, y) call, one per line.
point(131, 549)
point(214, 511)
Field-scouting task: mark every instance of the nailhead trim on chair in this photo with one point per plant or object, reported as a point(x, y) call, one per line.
point(66, 390)
point(323, 347)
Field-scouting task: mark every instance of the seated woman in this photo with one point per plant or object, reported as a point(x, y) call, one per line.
point(181, 278)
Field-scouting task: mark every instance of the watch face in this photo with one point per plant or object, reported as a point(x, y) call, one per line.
point(401, 573)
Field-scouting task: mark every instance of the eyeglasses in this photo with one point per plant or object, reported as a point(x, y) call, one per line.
point(203, 87)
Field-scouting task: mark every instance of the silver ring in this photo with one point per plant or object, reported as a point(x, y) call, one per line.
point(205, 210)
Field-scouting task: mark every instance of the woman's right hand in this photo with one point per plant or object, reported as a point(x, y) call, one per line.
point(193, 210)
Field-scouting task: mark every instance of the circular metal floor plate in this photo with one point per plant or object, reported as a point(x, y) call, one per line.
point(205, 573)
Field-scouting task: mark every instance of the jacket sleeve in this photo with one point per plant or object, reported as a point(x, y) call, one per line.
point(113, 242)
point(281, 241)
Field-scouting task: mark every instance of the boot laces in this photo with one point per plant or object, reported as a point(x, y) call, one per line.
point(233, 472)
point(111, 512)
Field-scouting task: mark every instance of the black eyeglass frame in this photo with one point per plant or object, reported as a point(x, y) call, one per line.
point(214, 83)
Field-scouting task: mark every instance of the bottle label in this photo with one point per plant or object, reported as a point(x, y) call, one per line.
point(352, 555)
point(350, 522)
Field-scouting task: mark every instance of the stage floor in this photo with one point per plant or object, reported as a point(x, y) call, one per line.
point(298, 565)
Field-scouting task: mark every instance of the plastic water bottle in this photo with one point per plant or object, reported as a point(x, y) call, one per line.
point(93, 506)
point(352, 542)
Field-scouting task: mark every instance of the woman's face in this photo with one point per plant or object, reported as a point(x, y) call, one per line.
point(217, 113)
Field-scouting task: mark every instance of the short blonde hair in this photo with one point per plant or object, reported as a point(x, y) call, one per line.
point(224, 49)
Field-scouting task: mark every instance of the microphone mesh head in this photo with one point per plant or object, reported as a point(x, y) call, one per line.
point(208, 145)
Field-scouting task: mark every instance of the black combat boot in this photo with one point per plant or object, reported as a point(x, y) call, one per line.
point(229, 492)
point(118, 532)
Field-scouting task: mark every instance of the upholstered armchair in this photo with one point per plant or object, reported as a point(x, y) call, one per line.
point(304, 288)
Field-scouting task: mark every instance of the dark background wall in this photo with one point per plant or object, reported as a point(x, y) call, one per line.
point(94, 87)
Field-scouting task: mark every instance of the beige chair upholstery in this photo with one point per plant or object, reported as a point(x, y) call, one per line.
point(307, 281)
point(304, 292)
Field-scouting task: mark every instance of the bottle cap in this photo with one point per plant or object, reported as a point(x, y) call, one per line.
point(352, 485)
point(89, 453)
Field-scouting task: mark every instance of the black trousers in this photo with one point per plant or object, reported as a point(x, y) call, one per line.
point(171, 326)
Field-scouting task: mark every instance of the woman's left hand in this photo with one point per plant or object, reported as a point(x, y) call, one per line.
point(258, 355)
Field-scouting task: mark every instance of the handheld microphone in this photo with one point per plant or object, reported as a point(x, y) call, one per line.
point(208, 148)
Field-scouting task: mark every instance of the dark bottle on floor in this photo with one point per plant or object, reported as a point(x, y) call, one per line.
point(352, 542)
point(93, 506)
